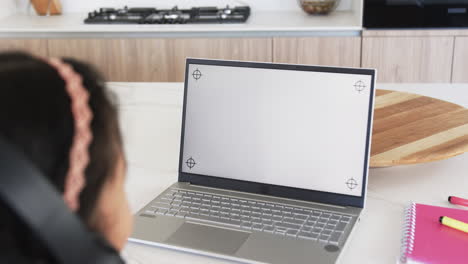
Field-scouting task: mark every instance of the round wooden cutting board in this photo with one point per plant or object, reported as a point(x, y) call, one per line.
point(411, 128)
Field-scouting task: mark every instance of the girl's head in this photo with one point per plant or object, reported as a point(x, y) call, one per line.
point(36, 116)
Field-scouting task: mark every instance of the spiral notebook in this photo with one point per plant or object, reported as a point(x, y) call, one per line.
point(425, 240)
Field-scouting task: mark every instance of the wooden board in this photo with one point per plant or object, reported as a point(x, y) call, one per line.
point(42, 7)
point(411, 128)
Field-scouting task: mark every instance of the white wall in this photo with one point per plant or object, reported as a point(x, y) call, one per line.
point(73, 6)
point(7, 7)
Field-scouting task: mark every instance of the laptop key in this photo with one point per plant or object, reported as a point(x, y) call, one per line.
point(322, 220)
point(300, 216)
point(161, 211)
point(287, 214)
point(317, 230)
point(175, 204)
point(313, 218)
point(287, 225)
point(281, 231)
point(340, 226)
point(148, 213)
point(213, 220)
point(292, 232)
point(325, 215)
point(245, 218)
point(235, 217)
point(194, 211)
point(171, 213)
point(256, 221)
point(162, 206)
point(345, 219)
point(319, 225)
point(335, 217)
point(267, 213)
point(324, 238)
point(259, 215)
point(257, 227)
point(294, 221)
point(205, 207)
point(335, 237)
point(246, 225)
point(180, 215)
point(310, 236)
point(215, 214)
point(269, 229)
point(277, 218)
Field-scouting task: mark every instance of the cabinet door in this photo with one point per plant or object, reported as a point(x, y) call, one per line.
point(332, 51)
point(409, 59)
point(97, 52)
point(157, 60)
point(36, 47)
point(460, 60)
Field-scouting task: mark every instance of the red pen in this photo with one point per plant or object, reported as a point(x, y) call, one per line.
point(458, 200)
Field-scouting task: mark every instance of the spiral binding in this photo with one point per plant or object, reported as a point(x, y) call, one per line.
point(409, 232)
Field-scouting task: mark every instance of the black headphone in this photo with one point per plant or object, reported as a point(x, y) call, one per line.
point(33, 199)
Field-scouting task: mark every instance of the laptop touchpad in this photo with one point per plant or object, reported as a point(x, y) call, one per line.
point(208, 238)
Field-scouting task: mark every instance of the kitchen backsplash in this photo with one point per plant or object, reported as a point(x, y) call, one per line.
point(7, 7)
point(73, 6)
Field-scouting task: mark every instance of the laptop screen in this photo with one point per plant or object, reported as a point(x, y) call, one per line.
point(295, 128)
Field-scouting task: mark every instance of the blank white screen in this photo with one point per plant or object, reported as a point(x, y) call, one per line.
point(299, 129)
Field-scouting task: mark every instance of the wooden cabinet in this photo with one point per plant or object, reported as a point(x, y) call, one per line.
point(35, 46)
point(97, 52)
point(399, 56)
point(332, 51)
point(460, 60)
point(409, 59)
point(157, 60)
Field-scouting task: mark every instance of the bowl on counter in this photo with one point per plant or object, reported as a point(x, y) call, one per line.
point(318, 7)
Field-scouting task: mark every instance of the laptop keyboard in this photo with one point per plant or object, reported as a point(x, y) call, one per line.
point(281, 219)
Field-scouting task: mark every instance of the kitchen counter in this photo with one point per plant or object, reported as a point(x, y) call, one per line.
point(151, 113)
point(260, 24)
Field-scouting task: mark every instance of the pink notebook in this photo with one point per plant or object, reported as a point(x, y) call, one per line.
point(425, 240)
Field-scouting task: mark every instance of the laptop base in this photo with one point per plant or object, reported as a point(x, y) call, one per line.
point(237, 244)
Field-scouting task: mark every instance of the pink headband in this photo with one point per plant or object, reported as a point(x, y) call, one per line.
point(79, 155)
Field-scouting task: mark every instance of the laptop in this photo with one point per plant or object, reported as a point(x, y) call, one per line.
point(273, 163)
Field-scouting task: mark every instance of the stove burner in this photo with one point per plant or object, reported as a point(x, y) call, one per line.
point(143, 15)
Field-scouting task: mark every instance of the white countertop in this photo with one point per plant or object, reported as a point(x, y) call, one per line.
point(264, 23)
point(151, 119)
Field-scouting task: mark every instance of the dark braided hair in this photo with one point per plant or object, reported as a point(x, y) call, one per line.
point(35, 116)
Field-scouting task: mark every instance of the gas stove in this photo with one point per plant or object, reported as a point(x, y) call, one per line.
point(168, 16)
